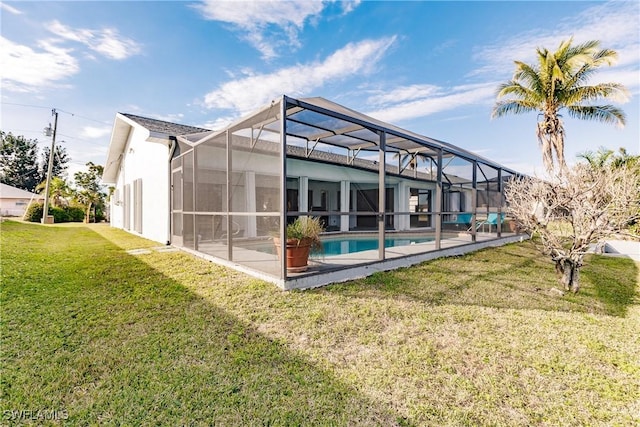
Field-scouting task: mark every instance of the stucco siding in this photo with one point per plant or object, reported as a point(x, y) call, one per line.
point(142, 191)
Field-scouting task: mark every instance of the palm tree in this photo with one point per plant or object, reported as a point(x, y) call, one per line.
point(90, 192)
point(609, 158)
point(89, 200)
point(598, 159)
point(59, 190)
point(558, 82)
point(411, 161)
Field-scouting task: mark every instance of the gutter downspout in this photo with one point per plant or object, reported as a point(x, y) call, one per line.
point(173, 143)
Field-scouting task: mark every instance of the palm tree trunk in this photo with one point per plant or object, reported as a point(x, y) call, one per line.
point(545, 146)
point(557, 140)
point(550, 134)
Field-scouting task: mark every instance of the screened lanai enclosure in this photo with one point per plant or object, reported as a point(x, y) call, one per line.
point(387, 197)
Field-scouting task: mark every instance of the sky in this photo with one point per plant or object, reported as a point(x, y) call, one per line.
point(429, 67)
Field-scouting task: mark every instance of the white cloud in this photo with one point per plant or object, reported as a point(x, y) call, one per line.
point(404, 93)
point(423, 100)
point(218, 123)
point(252, 91)
point(25, 69)
point(267, 25)
point(349, 6)
point(10, 9)
point(108, 42)
point(93, 132)
point(611, 23)
point(628, 77)
point(608, 23)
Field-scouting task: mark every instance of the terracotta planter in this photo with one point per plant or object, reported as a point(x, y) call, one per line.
point(297, 253)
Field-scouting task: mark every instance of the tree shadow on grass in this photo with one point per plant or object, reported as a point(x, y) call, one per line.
point(613, 281)
point(105, 337)
point(514, 276)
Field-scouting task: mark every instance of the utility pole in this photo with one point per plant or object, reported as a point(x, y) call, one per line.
point(45, 211)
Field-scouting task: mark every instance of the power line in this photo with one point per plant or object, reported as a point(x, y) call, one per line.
point(92, 120)
point(97, 144)
point(83, 140)
point(25, 105)
point(57, 109)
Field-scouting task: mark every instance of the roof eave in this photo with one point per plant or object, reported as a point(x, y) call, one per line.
point(122, 127)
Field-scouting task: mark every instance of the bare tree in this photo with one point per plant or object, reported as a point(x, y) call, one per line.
point(568, 213)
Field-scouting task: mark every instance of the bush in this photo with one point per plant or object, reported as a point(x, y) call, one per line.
point(34, 212)
point(63, 214)
point(75, 213)
point(59, 215)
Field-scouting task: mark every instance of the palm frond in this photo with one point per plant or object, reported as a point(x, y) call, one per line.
point(597, 159)
point(583, 94)
point(605, 57)
point(601, 113)
point(516, 91)
point(581, 52)
point(527, 76)
point(597, 59)
point(516, 106)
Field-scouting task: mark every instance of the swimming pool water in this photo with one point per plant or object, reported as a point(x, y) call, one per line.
point(351, 245)
point(344, 245)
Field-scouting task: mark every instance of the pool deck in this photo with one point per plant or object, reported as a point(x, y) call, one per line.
point(325, 270)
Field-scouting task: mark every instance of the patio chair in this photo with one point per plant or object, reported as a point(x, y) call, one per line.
point(492, 219)
point(457, 220)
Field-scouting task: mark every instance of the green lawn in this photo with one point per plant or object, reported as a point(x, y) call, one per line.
point(169, 339)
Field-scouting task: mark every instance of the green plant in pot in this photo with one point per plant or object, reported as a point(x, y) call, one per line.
point(303, 236)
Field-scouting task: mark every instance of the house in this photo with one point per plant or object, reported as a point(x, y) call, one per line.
point(140, 151)
point(15, 201)
point(224, 194)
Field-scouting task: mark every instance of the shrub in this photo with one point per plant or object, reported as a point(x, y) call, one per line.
point(34, 212)
point(59, 215)
point(75, 213)
point(63, 214)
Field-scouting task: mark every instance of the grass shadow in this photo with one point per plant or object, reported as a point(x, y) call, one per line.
point(103, 336)
point(513, 276)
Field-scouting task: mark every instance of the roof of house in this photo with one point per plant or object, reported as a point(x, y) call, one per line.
point(10, 192)
point(161, 126)
point(159, 131)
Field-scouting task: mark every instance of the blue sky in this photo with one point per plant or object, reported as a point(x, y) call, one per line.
point(430, 67)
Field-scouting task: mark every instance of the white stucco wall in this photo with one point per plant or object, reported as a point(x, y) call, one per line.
point(148, 161)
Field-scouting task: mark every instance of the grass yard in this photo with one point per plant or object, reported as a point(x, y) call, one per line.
point(97, 336)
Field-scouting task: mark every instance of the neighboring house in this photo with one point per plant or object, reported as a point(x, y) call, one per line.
point(224, 194)
point(15, 201)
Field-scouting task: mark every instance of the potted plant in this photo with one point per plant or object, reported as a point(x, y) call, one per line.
point(303, 235)
point(512, 225)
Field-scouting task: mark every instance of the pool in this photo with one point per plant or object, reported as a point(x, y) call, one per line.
point(348, 245)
